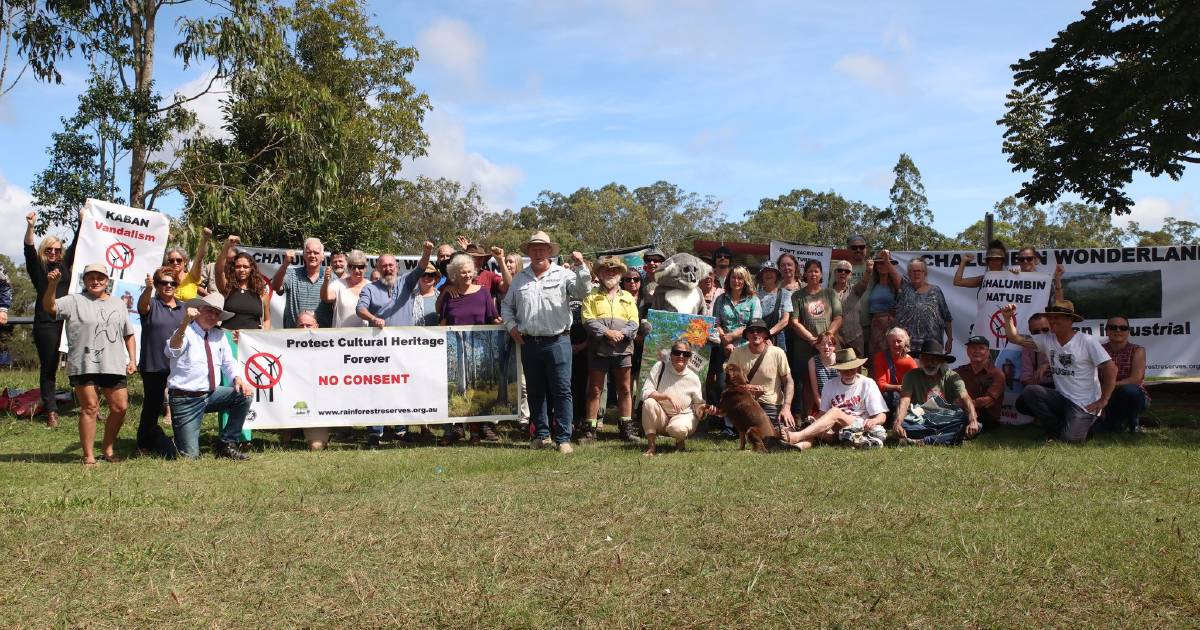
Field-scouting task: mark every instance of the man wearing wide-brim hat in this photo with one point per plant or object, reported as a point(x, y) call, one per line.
point(766, 367)
point(1084, 375)
point(610, 315)
point(926, 414)
point(853, 409)
point(537, 313)
point(200, 354)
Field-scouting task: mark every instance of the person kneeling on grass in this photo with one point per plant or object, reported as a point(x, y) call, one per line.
point(197, 350)
point(933, 420)
point(853, 410)
point(672, 399)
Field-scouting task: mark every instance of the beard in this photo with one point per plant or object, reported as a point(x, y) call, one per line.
point(931, 370)
point(388, 281)
point(610, 283)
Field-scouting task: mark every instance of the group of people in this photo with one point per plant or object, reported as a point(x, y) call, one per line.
point(801, 341)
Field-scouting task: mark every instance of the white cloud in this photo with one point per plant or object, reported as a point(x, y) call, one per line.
point(15, 203)
point(207, 108)
point(448, 157)
point(451, 45)
point(1150, 212)
point(872, 71)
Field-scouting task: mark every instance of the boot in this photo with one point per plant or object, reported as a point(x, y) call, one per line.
point(628, 431)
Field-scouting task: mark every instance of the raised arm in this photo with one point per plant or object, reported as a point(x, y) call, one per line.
point(1010, 328)
point(143, 305)
point(198, 260)
point(1058, 290)
point(281, 273)
point(227, 252)
point(30, 219)
point(959, 280)
point(48, 295)
point(505, 276)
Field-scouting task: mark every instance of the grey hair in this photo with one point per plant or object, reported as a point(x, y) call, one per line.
point(308, 313)
point(459, 262)
point(313, 239)
point(175, 249)
point(897, 331)
point(681, 342)
point(356, 257)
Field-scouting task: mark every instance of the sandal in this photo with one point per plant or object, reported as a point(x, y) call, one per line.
point(789, 438)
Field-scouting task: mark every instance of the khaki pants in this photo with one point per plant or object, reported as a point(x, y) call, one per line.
point(678, 426)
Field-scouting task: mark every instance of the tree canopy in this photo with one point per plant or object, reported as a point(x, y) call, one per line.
point(1117, 92)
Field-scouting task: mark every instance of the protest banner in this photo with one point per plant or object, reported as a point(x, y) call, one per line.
point(666, 328)
point(129, 242)
point(803, 253)
point(1153, 286)
point(368, 376)
point(1029, 291)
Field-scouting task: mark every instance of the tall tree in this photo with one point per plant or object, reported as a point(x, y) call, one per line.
point(1115, 93)
point(908, 210)
point(122, 115)
point(1173, 232)
point(434, 210)
point(320, 129)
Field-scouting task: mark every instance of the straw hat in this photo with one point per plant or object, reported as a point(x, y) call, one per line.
point(1062, 308)
point(845, 359)
point(612, 262)
point(212, 300)
point(540, 238)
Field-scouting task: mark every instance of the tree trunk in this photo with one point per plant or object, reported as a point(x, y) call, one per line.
point(462, 363)
point(141, 26)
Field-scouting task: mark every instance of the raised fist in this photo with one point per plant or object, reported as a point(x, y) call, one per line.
point(149, 281)
point(30, 218)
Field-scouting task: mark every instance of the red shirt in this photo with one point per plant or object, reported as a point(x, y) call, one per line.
point(883, 375)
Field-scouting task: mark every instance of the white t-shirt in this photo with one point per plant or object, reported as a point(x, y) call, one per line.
point(1073, 366)
point(345, 313)
point(860, 399)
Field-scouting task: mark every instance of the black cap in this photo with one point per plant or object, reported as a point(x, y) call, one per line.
point(757, 323)
point(977, 339)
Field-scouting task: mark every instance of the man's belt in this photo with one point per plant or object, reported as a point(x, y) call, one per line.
point(183, 393)
point(543, 337)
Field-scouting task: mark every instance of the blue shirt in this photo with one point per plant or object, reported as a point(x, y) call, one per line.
point(393, 306)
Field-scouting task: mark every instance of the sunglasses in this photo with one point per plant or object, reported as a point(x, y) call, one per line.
point(1119, 328)
point(357, 266)
point(859, 248)
point(167, 283)
point(174, 261)
point(631, 279)
point(687, 354)
point(1038, 331)
point(53, 250)
point(843, 271)
point(430, 275)
point(1026, 258)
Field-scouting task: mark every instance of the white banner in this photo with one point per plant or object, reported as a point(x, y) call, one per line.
point(803, 253)
point(1155, 287)
point(130, 244)
point(368, 376)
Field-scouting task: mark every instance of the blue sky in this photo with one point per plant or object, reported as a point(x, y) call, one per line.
point(739, 100)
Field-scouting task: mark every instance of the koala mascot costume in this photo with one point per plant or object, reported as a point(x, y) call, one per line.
point(678, 285)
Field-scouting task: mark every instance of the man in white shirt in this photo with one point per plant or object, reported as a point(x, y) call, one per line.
point(853, 409)
point(199, 353)
point(1084, 375)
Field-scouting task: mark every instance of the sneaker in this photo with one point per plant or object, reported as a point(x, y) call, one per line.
point(565, 448)
point(870, 442)
point(488, 434)
point(847, 434)
point(537, 443)
point(907, 441)
point(878, 432)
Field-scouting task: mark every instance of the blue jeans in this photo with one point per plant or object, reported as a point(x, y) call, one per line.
point(1125, 407)
point(547, 365)
point(946, 430)
point(187, 414)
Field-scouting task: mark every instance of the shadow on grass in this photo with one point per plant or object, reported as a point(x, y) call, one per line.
point(71, 454)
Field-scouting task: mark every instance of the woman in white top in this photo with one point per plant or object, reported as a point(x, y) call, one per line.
point(671, 399)
point(343, 293)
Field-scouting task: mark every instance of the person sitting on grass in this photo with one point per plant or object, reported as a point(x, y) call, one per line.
point(1129, 397)
point(1084, 374)
point(198, 351)
point(853, 410)
point(984, 381)
point(934, 388)
point(672, 399)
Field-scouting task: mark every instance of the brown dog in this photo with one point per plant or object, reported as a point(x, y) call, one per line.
point(739, 404)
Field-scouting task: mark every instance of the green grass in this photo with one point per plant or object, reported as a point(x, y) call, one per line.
point(1005, 531)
